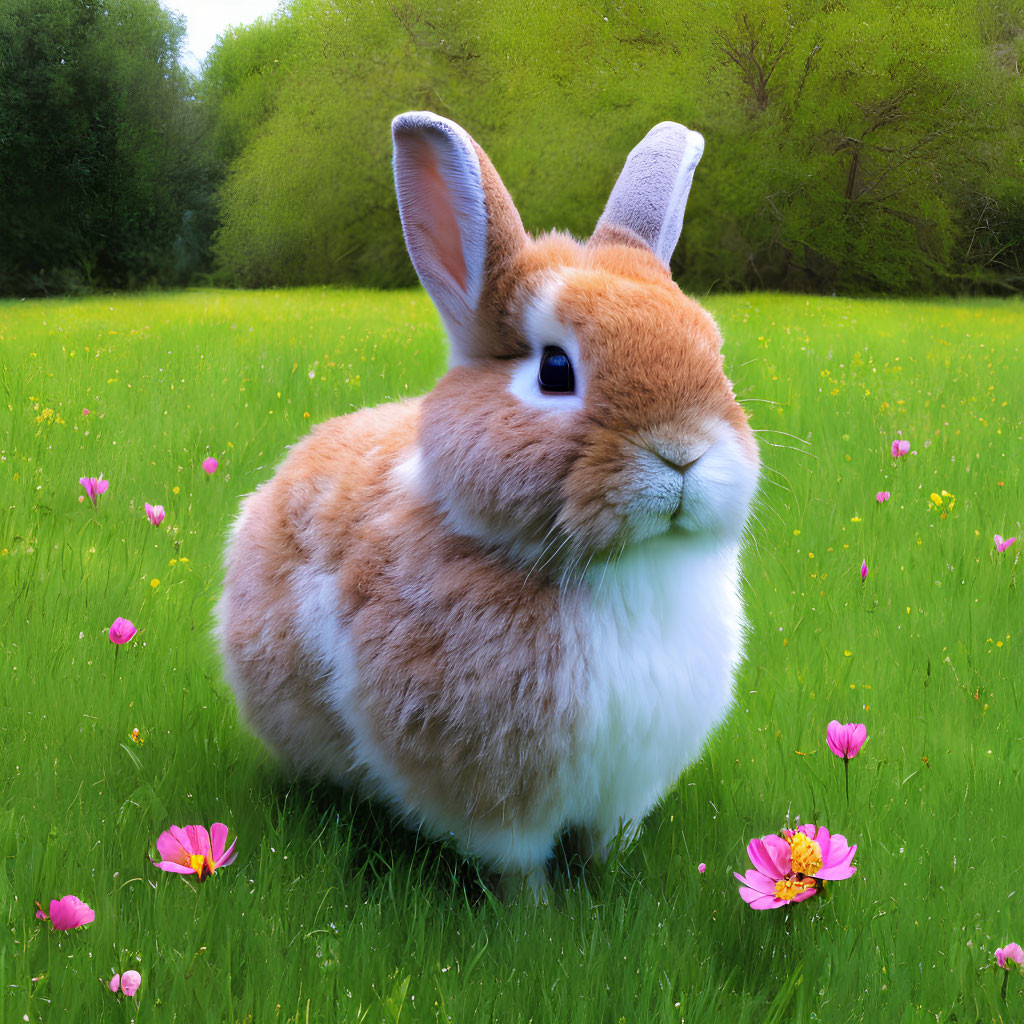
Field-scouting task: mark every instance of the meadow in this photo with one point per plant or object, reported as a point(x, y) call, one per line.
point(332, 913)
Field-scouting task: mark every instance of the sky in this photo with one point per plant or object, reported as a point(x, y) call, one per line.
point(208, 19)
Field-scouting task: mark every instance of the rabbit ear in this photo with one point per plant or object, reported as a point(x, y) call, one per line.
point(649, 199)
point(461, 227)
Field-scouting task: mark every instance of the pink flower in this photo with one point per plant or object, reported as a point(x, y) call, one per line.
point(155, 513)
point(900, 448)
point(85, 412)
point(1002, 545)
point(94, 486)
point(192, 849)
point(68, 913)
point(702, 867)
point(864, 569)
point(882, 496)
point(789, 868)
point(1011, 951)
point(210, 465)
point(121, 631)
point(845, 740)
point(128, 982)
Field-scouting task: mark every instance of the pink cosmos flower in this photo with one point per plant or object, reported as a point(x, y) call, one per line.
point(155, 513)
point(85, 412)
point(193, 849)
point(128, 982)
point(210, 465)
point(900, 448)
point(68, 913)
point(882, 496)
point(845, 740)
point(789, 868)
point(94, 486)
point(864, 569)
point(121, 631)
point(1002, 545)
point(702, 867)
point(1012, 952)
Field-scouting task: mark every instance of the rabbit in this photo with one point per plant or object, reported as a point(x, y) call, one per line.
point(510, 608)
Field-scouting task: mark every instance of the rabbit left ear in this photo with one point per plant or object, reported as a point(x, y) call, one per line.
point(649, 199)
point(460, 225)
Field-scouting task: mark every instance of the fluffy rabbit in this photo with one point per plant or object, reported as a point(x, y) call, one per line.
point(510, 608)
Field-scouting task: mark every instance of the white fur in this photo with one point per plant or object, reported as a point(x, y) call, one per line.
point(541, 328)
point(409, 472)
point(719, 487)
point(664, 633)
point(650, 648)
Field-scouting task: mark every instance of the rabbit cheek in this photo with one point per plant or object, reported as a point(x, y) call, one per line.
point(595, 494)
point(719, 488)
point(494, 467)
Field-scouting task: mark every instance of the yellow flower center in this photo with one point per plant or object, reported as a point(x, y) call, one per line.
point(201, 865)
point(805, 853)
point(791, 886)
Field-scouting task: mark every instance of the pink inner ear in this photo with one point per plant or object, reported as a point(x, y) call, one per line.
point(435, 217)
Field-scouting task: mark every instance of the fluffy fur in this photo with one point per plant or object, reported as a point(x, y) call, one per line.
point(507, 613)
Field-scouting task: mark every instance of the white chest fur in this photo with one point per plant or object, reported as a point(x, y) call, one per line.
point(664, 632)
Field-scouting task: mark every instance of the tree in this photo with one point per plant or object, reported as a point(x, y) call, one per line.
point(98, 162)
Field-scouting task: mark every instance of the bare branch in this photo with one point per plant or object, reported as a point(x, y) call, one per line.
point(754, 53)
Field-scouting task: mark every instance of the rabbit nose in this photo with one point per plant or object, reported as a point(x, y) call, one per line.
point(678, 457)
point(679, 467)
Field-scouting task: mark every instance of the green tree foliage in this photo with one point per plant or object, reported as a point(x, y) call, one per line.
point(101, 181)
point(852, 144)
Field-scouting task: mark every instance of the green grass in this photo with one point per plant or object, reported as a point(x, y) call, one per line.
point(330, 912)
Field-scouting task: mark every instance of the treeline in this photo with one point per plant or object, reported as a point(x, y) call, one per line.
point(852, 145)
point(103, 178)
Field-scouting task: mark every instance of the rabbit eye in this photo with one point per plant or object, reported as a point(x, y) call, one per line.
point(556, 377)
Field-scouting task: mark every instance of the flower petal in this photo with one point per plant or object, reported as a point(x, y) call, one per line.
point(170, 847)
point(761, 902)
point(840, 860)
point(761, 859)
point(857, 735)
point(198, 839)
point(171, 865)
point(218, 836)
point(756, 881)
point(228, 857)
point(130, 982)
point(781, 854)
point(70, 912)
point(834, 738)
point(805, 895)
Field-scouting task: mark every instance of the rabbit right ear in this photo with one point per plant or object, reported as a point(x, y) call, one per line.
point(460, 225)
point(649, 198)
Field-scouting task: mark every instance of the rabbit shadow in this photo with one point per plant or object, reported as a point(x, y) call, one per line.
point(380, 852)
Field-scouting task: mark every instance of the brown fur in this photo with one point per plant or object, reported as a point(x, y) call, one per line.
point(432, 614)
point(449, 577)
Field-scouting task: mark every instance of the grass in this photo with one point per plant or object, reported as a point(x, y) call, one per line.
point(331, 913)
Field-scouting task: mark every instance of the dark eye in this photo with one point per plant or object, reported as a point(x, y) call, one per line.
point(555, 377)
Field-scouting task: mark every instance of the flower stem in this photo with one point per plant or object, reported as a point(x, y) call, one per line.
point(1006, 978)
point(846, 767)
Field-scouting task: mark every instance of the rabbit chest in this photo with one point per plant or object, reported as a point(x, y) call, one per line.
point(664, 629)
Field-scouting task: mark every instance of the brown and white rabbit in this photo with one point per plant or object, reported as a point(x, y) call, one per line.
point(510, 608)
